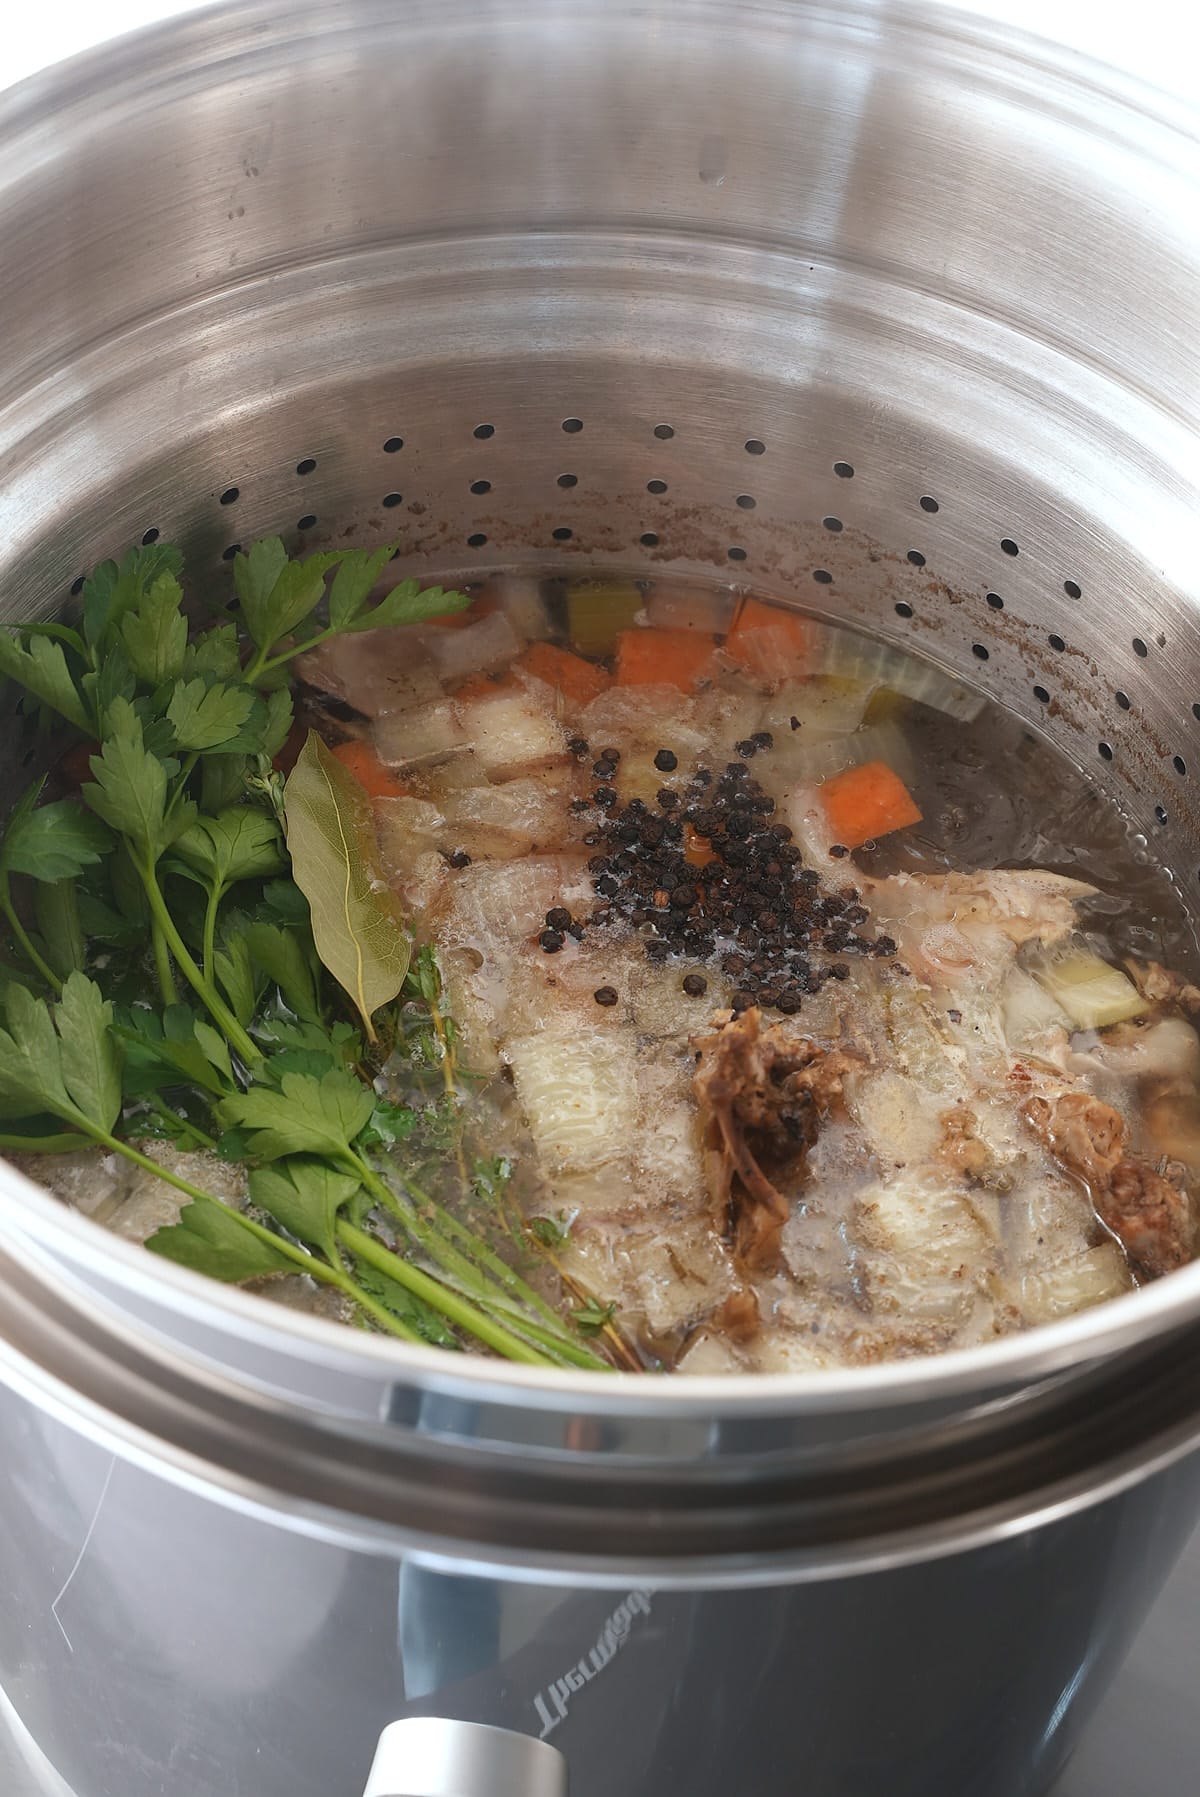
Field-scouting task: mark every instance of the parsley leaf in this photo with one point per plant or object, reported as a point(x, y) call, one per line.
point(236, 973)
point(56, 907)
point(277, 594)
point(51, 842)
point(114, 589)
point(352, 584)
point(91, 1067)
point(406, 1305)
point(130, 790)
point(209, 1239)
point(410, 603)
point(304, 1197)
point(215, 653)
point(280, 954)
point(65, 1062)
point(240, 843)
point(155, 635)
point(42, 669)
point(207, 717)
point(57, 843)
point(305, 1116)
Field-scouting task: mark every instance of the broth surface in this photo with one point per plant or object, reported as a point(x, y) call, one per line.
point(781, 1101)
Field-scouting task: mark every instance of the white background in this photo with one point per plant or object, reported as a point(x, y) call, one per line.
point(1156, 39)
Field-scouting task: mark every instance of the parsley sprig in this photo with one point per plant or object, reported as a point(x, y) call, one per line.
point(201, 951)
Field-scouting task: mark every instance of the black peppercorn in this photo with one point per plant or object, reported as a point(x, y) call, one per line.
point(695, 985)
point(666, 762)
point(605, 995)
point(551, 941)
point(558, 918)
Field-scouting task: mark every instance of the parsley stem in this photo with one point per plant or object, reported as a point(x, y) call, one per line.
point(263, 663)
point(441, 1298)
point(232, 1030)
point(23, 940)
point(162, 963)
point(216, 894)
point(179, 1123)
point(61, 1144)
point(305, 1262)
point(507, 1277)
point(484, 1277)
point(185, 775)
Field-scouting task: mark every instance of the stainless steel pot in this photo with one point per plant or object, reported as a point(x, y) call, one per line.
point(884, 308)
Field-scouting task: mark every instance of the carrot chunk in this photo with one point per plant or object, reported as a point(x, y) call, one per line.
point(767, 641)
point(360, 759)
point(650, 657)
point(578, 681)
point(866, 802)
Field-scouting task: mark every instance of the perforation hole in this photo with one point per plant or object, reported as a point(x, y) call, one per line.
point(572, 426)
point(1072, 589)
point(309, 464)
point(928, 504)
point(736, 554)
point(664, 432)
point(479, 487)
point(833, 524)
point(979, 651)
point(1180, 766)
point(1041, 695)
point(1139, 648)
point(995, 601)
point(229, 495)
point(307, 522)
point(754, 446)
point(393, 499)
point(566, 481)
point(648, 540)
point(150, 536)
point(77, 586)
point(660, 486)
point(395, 443)
point(903, 609)
point(484, 431)
point(1105, 751)
point(1160, 814)
point(1056, 642)
point(823, 577)
point(746, 501)
point(916, 558)
point(476, 540)
point(228, 554)
point(562, 534)
point(1124, 701)
point(1008, 546)
point(843, 470)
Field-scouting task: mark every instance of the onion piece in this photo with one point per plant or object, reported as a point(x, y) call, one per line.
point(1093, 994)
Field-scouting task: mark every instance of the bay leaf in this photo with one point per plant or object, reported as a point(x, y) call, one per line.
point(357, 924)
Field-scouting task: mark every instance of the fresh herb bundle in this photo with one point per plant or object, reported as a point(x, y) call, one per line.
point(203, 951)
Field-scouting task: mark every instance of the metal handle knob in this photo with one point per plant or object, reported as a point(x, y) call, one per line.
point(428, 1756)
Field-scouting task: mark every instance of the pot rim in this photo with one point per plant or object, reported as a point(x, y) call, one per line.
point(1017, 1360)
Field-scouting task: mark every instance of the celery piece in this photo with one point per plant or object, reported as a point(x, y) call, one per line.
point(598, 610)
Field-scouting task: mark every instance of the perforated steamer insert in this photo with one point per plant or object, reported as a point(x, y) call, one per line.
point(874, 308)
